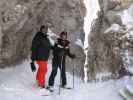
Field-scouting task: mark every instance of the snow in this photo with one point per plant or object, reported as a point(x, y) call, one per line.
point(86, 67)
point(101, 76)
point(92, 7)
point(79, 43)
point(130, 10)
point(127, 19)
point(114, 28)
point(128, 59)
point(85, 74)
point(18, 83)
point(20, 9)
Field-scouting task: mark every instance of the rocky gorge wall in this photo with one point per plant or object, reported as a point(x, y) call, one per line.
point(109, 40)
point(21, 19)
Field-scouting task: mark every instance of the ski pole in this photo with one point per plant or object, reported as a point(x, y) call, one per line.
point(73, 73)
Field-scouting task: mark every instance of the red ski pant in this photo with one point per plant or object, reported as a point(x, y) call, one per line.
point(41, 73)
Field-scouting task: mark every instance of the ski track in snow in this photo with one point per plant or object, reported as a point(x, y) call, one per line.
point(18, 83)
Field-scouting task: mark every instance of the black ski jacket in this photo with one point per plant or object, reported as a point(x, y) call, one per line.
point(40, 47)
point(61, 50)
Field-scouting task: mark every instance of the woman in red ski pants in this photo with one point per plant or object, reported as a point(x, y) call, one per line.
point(40, 53)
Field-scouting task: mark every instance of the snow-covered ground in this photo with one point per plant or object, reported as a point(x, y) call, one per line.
point(18, 83)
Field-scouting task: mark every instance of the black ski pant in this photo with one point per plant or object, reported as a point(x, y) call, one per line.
point(55, 65)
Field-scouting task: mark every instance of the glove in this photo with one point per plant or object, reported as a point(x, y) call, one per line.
point(33, 57)
point(33, 67)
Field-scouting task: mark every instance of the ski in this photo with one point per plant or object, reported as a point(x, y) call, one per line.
point(68, 88)
point(48, 88)
point(52, 92)
point(47, 95)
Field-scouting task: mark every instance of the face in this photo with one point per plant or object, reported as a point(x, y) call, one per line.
point(45, 29)
point(64, 37)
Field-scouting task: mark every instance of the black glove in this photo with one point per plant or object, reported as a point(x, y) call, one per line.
point(33, 67)
point(73, 56)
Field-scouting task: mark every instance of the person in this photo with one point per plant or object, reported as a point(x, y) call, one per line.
point(60, 51)
point(40, 53)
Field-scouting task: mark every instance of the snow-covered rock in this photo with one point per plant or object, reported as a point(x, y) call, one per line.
point(79, 43)
point(110, 38)
point(114, 28)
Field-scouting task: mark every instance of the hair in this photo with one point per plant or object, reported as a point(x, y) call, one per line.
point(63, 33)
point(42, 27)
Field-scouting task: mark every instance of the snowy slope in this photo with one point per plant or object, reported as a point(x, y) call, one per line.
point(18, 84)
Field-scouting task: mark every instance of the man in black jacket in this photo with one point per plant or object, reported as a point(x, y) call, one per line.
point(40, 53)
point(60, 51)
